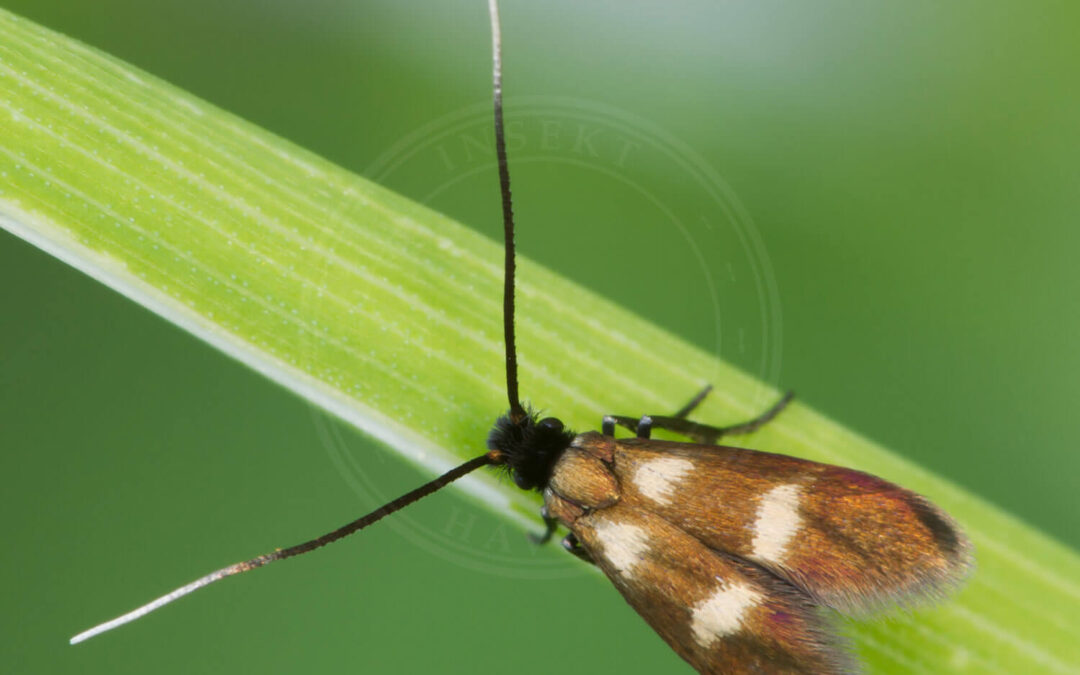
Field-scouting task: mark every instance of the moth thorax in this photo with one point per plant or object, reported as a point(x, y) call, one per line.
point(585, 480)
point(529, 447)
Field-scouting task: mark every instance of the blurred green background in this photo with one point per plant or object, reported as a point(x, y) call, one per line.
point(911, 170)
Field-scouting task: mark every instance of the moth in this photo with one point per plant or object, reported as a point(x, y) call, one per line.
point(731, 555)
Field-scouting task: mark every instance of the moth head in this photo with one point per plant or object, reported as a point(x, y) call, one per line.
point(529, 446)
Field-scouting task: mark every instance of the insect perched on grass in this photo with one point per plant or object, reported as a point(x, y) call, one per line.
point(729, 554)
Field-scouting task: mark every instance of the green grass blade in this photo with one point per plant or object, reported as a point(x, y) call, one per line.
point(388, 314)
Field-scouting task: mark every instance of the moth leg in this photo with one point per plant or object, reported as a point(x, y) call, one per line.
point(694, 402)
point(550, 525)
point(573, 546)
point(644, 427)
point(759, 421)
point(703, 433)
point(607, 427)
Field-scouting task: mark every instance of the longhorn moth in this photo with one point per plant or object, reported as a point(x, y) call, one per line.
point(729, 554)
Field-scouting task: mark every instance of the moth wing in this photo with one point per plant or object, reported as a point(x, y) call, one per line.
point(721, 614)
point(851, 541)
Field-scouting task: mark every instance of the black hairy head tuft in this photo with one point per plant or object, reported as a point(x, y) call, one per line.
point(530, 446)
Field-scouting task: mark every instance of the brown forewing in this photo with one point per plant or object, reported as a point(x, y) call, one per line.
point(856, 542)
point(721, 614)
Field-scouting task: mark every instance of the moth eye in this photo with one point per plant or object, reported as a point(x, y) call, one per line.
point(522, 482)
point(551, 423)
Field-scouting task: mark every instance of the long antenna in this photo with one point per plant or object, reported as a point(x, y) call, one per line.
point(516, 411)
point(280, 554)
